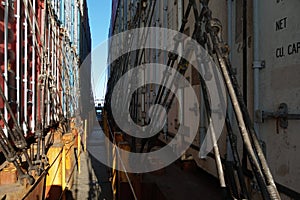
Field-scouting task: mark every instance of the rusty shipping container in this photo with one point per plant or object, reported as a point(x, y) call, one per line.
point(42, 45)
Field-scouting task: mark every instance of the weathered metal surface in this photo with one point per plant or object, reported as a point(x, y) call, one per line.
point(54, 176)
point(40, 58)
point(279, 48)
point(115, 4)
point(16, 191)
point(8, 175)
point(36, 192)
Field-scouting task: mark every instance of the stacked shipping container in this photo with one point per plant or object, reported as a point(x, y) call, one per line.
point(277, 46)
point(42, 44)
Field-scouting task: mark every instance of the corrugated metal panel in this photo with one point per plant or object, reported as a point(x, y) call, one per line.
point(40, 66)
point(115, 5)
point(280, 47)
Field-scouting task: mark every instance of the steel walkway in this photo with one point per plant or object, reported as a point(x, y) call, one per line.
point(92, 182)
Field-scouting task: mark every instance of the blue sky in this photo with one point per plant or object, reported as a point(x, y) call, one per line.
point(99, 16)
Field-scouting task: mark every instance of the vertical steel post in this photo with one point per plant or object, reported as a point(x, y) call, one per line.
point(203, 123)
point(53, 79)
point(33, 69)
point(6, 59)
point(47, 71)
point(51, 73)
point(25, 81)
point(58, 72)
point(85, 134)
point(52, 44)
point(18, 59)
point(256, 65)
point(230, 109)
point(63, 169)
point(165, 25)
point(78, 152)
point(181, 87)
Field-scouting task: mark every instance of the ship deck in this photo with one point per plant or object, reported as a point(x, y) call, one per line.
point(92, 181)
point(175, 182)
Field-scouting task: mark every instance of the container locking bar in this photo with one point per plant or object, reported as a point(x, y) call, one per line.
point(282, 115)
